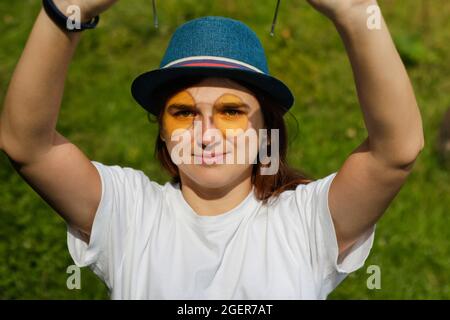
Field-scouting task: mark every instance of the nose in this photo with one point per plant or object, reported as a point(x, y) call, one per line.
point(209, 132)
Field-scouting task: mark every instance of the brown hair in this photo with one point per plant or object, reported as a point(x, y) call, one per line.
point(266, 186)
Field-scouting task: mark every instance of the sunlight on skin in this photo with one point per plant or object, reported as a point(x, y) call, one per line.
point(233, 119)
point(229, 113)
point(182, 101)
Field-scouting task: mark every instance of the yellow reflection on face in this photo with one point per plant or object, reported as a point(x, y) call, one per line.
point(231, 113)
point(179, 112)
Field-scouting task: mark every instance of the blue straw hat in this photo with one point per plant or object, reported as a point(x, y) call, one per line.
point(216, 47)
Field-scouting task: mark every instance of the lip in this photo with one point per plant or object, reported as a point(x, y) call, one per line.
point(210, 157)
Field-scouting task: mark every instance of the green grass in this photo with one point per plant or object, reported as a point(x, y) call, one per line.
point(412, 244)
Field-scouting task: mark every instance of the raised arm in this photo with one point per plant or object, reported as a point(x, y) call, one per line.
point(55, 168)
point(374, 173)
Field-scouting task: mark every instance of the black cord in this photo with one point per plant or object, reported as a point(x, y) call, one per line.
point(274, 22)
point(155, 14)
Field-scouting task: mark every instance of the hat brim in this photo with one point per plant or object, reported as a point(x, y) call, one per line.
point(145, 85)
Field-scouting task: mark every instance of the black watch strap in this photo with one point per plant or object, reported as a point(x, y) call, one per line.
point(63, 21)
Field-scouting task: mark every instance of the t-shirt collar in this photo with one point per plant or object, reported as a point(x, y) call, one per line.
point(183, 209)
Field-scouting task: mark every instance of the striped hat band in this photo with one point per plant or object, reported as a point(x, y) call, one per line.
point(210, 61)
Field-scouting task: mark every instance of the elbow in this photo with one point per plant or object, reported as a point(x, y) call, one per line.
point(400, 157)
point(15, 152)
point(2, 147)
point(409, 157)
point(3, 141)
point(419, 148)
point(408, 147)
point(12, 148)
point(8, 149)
point(22, 150)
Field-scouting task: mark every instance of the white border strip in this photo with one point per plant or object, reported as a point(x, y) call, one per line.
point(213, 58)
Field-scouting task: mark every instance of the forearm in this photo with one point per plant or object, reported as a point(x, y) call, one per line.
point(386, 96)
point(33, 99)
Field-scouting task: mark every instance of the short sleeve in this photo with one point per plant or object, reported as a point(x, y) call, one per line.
point(312, 200)
point(121, 190)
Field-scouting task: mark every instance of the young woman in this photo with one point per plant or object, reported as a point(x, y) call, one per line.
point(218, 230)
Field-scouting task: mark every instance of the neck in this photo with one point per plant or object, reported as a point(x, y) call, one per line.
point(210, 201)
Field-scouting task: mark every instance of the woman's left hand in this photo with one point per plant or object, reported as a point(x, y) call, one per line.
point(335, 9)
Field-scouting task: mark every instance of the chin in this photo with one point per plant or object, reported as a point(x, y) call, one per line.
point(215, 176)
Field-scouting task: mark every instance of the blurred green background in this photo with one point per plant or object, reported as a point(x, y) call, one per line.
point(412, 244)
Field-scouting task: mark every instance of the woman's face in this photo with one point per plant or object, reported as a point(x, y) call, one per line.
point(207, 130)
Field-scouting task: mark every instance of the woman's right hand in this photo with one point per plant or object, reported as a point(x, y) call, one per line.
point(88, 8)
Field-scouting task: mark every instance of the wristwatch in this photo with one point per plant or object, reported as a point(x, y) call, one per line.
point(64, 22)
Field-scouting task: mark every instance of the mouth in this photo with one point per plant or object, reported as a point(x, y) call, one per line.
point(210, 158)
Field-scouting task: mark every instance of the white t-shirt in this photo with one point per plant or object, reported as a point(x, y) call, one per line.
point(148, 243)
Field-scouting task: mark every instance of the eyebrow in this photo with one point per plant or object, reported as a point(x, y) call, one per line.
point(180, 106)
point(233, 105)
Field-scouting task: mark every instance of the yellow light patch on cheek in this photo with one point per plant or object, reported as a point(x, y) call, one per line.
point(224, 120)
point(172, 122)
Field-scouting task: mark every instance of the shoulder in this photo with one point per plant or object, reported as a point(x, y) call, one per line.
point(315, 190)
point(120, 172)
point(306, 191)
point(304, 202)
point(123, 176)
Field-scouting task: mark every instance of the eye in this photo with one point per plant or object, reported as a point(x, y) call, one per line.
point(232, 112)
point(184, 114)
